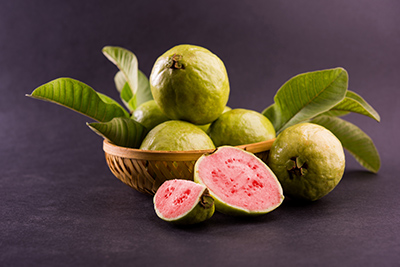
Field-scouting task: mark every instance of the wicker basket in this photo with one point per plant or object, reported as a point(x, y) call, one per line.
point(146, 170)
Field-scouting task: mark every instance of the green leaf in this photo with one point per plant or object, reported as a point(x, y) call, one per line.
point(126, 62)
point(129, 76)
point(307, 95)
point(126, 95)
point(81, 98)
point(106, 99)
point(119, 80)
point(272, 113)
point(120, 131)
point(144, 92)
point(355, 103)
point(132, 104)
point(124, 89)
point(131, 101)
point(335, 113)
point(358, 143)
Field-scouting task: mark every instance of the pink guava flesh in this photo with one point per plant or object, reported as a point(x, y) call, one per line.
point(239, 179)
point(176, 197)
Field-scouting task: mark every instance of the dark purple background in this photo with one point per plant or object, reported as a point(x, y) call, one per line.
point(61, 206)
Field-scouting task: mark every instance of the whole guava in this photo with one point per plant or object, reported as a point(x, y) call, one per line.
point(240, 127)
point(175, 135)
point(308, 160)
point(149, 115)
point(190, 83)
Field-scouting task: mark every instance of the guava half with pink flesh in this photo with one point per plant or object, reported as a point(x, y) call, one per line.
point(183, 202)
point(239, 182)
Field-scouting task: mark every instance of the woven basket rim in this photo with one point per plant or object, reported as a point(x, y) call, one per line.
point(141, 154)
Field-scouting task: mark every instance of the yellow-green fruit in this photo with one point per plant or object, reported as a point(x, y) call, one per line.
point(176, 135)
point(241, 127)
point(308, 160)
point(206, 126)
point(239, 182)
point(149, 115)
point(180, 201)
point(190, 83)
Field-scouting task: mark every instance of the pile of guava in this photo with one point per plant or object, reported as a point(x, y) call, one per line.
point(183, 106)
point(190, 87)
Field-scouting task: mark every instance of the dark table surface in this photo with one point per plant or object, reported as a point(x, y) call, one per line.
point(61, 206)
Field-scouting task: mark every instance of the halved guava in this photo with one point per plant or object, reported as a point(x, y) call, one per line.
point(183, 202)
point(239, 182)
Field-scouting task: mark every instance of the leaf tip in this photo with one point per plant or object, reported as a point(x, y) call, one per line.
point(341, 69)
point(105, 48)
point(92, 125)
point(377, 117)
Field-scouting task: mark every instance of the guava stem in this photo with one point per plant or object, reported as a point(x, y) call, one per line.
point(174, 62)
point(296, 170)
point(206, 200)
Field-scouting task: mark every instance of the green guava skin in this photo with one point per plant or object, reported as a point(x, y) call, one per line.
point(227, 209)
point(308, 160)
point(203, 211)
point(149, 115)
point(206, 126)
point(200, 211)
point(190, 83)
point(241, 127)
point(175, 135)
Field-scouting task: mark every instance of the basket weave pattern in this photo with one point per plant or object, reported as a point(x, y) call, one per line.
point(145, 171)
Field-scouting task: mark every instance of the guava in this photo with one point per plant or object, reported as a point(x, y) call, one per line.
point(183, 202)
point(239, 182)
point(190, 83)
point(308, 160)
point(205, 127)
point(149, 115)
point(176, 136)
point(241, 127)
